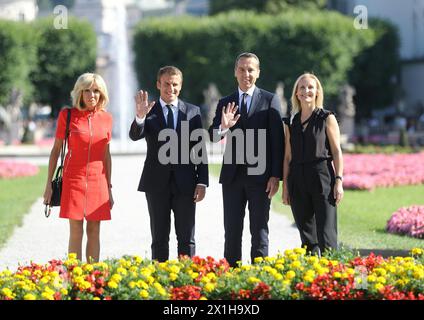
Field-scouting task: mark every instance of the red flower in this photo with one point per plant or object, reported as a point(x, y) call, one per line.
point(187, 292)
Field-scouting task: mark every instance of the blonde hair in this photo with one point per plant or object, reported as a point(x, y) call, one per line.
point(319, 99)
point(85, 81)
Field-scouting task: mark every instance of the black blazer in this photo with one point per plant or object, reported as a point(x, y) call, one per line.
point(264, 113)
point(155, 175)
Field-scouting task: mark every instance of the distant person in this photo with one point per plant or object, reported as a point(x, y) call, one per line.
point(311, 186)
point(87, 186)
point(251, 111)
point(171, 186)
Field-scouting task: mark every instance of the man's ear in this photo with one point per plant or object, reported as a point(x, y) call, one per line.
point(158, 85)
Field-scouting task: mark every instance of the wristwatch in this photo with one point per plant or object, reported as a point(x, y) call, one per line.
point(339, 177)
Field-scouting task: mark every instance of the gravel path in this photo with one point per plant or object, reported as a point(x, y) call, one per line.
point(40, 239)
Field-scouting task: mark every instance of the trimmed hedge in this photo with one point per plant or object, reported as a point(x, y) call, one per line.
point(45, 62)
point(63, 55)
point(18, 58)
point(288, 44)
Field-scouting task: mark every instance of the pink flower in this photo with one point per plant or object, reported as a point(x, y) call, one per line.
point(408, 221)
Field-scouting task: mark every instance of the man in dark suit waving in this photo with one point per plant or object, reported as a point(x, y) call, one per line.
point(255, 115)
point(178, 184)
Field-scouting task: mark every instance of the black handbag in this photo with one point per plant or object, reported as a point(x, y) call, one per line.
point(57, 181)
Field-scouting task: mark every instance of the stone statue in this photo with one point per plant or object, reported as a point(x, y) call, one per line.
point(346, 110)
point(13, 117)
point(212, 96)
point(279, 91)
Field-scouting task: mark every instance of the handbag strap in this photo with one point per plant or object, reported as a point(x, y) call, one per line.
point(62, 152)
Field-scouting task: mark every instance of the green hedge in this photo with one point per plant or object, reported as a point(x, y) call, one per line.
point(18, 58)
point(63, 55)
point(45, 62)
point(325, 43)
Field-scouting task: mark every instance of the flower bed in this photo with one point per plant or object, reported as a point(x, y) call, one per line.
point(292, 275)
point(367, 171)
point(407, 221)
point(13, 169)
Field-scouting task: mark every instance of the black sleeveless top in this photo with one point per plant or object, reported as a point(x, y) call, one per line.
point(310, 145)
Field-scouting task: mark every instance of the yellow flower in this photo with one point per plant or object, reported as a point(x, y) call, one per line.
point(287, 282)
point(142, 284)
point(209, 287)
point(324, 261)
point(288, 252)
point(203, 298)
point(381, 280)
point(72, 256)
point(88, 267)
point(116, 278)
point(300, 251)
point(122, 271)
point(290, 274)
point(30, 296)
point(278, 276)
point(173, 276)
point(293, 257)
point(253, 280)
point(194, 275)
point(47, 295)
point(205, 280)
point(279, 266)
point(175, 269)
point(77, 271)
point(112, 284)
point(269, 259)
point(7, 292)
point(337, 275)
point(132, 284)
point(138, 259)
point(258, 259)
point(246, 268)
point(419, 274)
point(211, 276)
point(371, 278)
point(96, 298)
point(64, 291)
point(295, 265)
point(379, 286)
point(417, 251)
point(144, 294)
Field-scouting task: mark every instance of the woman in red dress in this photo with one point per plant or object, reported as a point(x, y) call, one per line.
point(86, 188)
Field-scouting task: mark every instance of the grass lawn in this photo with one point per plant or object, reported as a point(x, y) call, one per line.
point(362, 215)
point(16, 199)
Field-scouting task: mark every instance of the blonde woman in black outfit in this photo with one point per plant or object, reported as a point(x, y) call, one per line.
point(312, 186)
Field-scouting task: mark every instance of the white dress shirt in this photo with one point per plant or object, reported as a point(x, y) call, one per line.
point(248, 103)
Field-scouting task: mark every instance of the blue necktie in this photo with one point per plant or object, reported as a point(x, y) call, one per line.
point(170, 118)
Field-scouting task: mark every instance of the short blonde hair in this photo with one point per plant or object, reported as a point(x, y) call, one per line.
point(85, 81)
point(319, 99)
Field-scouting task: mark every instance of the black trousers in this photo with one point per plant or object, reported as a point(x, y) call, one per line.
point(160, 206)
point(236, 195)
point(313, 205)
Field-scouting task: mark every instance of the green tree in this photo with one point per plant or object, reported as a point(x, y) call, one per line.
point(63, 55)
point(18, 58)
point(268, 6)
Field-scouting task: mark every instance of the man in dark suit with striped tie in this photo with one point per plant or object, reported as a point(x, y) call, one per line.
point(177, 185)
point(254, 114)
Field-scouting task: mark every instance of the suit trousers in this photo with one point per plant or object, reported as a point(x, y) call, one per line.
point(313, 205)
point(236, 195)
point(160, 206)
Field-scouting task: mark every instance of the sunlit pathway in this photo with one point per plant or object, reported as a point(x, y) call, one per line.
point(41, 239)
